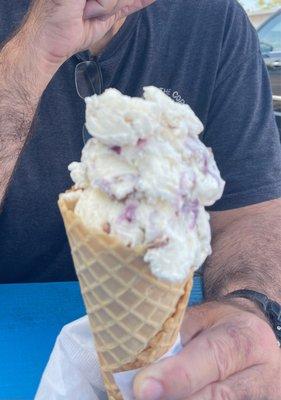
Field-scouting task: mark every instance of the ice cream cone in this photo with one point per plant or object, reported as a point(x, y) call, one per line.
point(135, 317)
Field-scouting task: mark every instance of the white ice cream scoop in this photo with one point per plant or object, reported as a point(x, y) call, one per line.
point(146, 178)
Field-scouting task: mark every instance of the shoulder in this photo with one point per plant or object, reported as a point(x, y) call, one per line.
point(221, 19)
point(220, 24)
point(214, 9)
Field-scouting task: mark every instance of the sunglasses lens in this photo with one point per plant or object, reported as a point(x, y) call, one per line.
point(87, 79)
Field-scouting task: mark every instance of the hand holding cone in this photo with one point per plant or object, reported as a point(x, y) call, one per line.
point(135, 318)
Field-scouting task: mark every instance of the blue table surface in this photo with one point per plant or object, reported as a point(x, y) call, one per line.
point(31, 317)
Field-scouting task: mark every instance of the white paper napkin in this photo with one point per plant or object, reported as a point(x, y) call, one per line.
point(73, 371)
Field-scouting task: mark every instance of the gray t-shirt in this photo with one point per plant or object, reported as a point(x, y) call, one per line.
point(202, 52)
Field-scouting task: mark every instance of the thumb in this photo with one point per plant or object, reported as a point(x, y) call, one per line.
point(106, 8)
point(196, 320)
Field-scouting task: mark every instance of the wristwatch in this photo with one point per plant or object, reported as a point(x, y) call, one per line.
point(270, 308)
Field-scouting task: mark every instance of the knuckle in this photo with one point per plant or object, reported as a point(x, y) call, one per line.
point(109, 5)
point(256, 323)
point(176, 376)
point(219, 351)
point(198, 314)
point(183, 376)
point(234, 348)
point(264, 333)
point(187, 382)
point(241, 341)
point(222, 392)
point(56, 3)
point(264, 339)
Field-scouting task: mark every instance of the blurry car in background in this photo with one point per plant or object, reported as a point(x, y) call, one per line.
point(270, 40)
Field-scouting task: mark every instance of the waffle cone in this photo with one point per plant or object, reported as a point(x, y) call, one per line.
point(135, 317)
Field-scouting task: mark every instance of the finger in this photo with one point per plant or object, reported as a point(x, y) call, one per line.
point(246, 385)
point(98, 8)
point(71, 8)
point(212, 356)
point(135, 6)
point(96, 29)
point(196, 320)
point(202, 317)
point(106, 8)
point(62, 3)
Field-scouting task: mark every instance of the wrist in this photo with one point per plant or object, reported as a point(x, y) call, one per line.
point(37, 35)
point(27, 65)
point(241, 303)
point(245, 305)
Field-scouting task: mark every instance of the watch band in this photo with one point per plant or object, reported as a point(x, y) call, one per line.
point(270, 308)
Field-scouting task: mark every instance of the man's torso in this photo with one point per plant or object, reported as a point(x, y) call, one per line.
point(173, 45)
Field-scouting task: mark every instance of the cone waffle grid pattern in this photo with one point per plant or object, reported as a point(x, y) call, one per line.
point(135, 318)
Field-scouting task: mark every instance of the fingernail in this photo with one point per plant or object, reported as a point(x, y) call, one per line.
point(151, 390)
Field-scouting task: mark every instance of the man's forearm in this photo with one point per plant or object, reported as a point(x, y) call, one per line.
point(23, 80)
point(246, 252)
